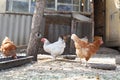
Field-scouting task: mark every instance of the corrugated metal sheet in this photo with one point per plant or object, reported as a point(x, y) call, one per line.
point(16, 27)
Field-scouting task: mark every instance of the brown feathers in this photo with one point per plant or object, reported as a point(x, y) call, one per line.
point(8, 48)
point(84, 49)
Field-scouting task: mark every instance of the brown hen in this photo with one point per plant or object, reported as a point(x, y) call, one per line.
point(8, 48)
point(84, 49)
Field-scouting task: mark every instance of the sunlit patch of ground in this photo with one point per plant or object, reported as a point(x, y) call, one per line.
point(63, 69)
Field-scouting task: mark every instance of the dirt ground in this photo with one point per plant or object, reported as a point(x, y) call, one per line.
point(62, 69)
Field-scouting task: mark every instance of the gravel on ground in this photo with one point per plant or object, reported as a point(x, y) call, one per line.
point(61, 69)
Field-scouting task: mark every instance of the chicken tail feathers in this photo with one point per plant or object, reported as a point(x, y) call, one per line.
point(65, 37)
point(60, 38)
point(85, 39)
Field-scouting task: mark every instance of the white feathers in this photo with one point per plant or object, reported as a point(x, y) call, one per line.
point(56, 48)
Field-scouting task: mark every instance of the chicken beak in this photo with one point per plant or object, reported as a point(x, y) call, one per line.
point(42, 40)
point(102, 42)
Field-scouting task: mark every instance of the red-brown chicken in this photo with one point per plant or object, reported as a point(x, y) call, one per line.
point(8, 48)
point(84, 49)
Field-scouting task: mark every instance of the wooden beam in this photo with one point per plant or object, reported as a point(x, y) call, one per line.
point(117, 60)
point(66, 12)
point(71, 57)
point(73, 30)
point(81, 17)
point(103, 66)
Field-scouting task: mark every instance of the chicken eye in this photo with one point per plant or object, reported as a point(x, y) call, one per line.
point(38, 35)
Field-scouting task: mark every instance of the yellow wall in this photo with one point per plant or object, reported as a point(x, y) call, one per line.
point(112, 22)
point(2, 6)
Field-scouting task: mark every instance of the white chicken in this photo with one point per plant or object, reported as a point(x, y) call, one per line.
point(56, 48)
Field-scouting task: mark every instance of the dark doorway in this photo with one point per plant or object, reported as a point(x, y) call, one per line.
point(99, 17)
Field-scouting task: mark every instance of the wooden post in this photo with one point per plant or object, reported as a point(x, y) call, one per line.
point(92, 17)
point(34, 41)
point(103, 66)
point(73, 28)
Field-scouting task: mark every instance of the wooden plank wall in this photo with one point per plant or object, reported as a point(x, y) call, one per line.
point(55, 27)
point(55, 31)
point(82, 29)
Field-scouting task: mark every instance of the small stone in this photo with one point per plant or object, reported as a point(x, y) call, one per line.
point(50, 68)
